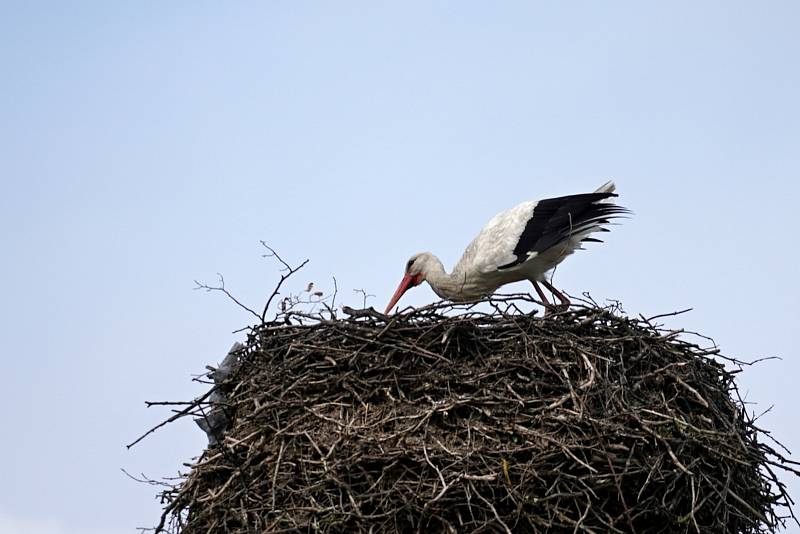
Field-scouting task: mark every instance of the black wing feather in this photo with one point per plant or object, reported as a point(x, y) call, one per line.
point(554, 220)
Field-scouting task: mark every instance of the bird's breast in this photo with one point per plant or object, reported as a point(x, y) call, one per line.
point(462, 287)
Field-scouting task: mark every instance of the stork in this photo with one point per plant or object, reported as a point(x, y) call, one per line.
point(522, 243)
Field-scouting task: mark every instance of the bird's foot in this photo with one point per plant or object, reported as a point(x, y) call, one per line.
point(564, 302)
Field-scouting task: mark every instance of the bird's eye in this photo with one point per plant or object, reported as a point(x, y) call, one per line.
point(409, 264)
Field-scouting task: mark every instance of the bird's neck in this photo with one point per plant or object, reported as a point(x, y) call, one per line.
point(446, 285)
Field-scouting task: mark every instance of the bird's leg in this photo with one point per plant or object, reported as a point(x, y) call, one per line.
point(565, 302)
point(548, 308)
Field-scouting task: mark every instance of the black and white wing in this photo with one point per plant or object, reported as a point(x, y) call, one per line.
point(532, 228)
point(564, 222)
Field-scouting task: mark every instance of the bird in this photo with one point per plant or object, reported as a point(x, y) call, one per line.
point(523, 243)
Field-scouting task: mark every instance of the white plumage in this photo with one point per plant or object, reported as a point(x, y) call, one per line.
point(522, 243)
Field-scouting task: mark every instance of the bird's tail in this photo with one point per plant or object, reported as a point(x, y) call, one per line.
point(607, 187)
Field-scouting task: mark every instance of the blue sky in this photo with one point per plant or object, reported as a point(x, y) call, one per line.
point(145, 145)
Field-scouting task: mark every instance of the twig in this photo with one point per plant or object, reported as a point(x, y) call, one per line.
point(186, 411)
point(221, 287)
point(289, 271)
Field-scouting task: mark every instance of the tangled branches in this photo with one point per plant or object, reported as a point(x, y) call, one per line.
point(494, 422)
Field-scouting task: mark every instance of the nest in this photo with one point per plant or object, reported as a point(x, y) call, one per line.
point(435, 421)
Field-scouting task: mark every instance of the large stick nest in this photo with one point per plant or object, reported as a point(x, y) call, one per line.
point(480, 422)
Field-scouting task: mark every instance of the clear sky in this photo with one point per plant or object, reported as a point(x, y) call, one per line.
point(147, 144)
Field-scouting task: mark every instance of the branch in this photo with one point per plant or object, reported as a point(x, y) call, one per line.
point(186, 411)
point(364, 296)
point(289, 271)
point(221, 287)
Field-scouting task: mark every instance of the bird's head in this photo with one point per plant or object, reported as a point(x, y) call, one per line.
point(416, 269)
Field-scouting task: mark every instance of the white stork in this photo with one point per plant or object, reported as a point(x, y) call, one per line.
point(523, 243)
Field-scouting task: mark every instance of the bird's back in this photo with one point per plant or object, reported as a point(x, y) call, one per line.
point(495, 242)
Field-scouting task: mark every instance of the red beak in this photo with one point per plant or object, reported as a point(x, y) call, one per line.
point(408, 282)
